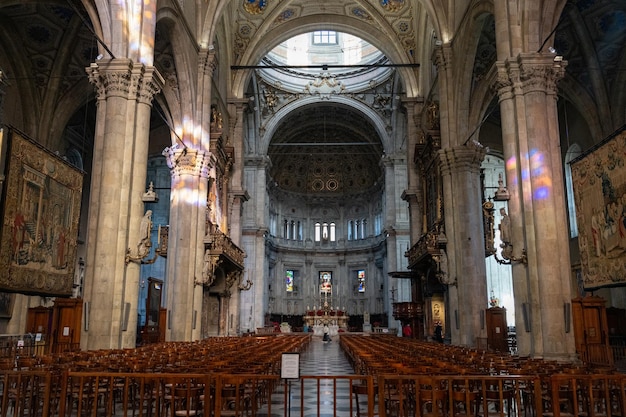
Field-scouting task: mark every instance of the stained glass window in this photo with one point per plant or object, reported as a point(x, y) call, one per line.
point(360, 276)
point(289, 278)
point(326, 285)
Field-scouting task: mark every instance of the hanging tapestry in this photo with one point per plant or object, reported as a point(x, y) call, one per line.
point(599, 180)
point(40, 210)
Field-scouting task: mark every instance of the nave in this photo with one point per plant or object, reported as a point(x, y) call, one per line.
point(320, 359)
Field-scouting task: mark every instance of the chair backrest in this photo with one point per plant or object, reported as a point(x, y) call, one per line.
point(187, 400)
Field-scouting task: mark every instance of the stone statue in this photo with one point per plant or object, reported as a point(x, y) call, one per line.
point(144, 233)
point(505, 227)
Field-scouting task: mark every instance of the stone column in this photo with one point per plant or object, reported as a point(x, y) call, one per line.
point(414, 191)
point(254, 229)
point(537, 208)
point(125, 92)
point(191, 170)
point(460, 171)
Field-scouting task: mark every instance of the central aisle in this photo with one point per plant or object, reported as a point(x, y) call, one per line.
point(320, 359)
point(324, 358)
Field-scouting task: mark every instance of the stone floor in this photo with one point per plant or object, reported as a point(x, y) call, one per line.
point(321, 359)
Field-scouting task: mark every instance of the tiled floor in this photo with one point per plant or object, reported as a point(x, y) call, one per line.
point(321, 358)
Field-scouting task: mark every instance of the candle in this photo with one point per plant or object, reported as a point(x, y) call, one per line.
point(159, 237)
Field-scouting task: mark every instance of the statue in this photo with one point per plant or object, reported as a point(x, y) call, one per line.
point(144, 233)
point(433, 116)
point(505, 227)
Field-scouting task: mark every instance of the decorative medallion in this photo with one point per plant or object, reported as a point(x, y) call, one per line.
point(392, 5)
point(318, 185)
point(361, 13)
point(403, 26)
point(245, 30)
point(255, 6)
point(285, 15)
point(332, 185)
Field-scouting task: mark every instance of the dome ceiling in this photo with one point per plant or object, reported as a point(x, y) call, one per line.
point(325, 148)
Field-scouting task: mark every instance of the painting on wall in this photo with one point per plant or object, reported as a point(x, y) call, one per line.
point(599, 180)
point(40, 212)
point(326, 286)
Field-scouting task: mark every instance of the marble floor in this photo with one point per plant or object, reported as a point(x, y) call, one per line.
point(331, 396)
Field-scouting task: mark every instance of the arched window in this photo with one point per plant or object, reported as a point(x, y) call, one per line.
point(318, 232)
point(332, 232)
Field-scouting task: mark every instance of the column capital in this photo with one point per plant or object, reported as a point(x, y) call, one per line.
point(462, 158)
point(529, 73)
point(125, 78)
point(188, 161)
point(207, 61)
point(442, 56)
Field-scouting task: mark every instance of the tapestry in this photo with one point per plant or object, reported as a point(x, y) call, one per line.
point(40, 211)
point(599, 180)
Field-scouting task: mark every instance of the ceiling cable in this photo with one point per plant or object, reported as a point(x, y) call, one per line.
point(324, 67)
point(86, 23)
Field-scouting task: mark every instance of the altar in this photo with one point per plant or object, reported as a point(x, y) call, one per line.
point(326, 316)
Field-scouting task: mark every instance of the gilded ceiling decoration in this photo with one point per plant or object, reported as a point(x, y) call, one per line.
point(384, 15)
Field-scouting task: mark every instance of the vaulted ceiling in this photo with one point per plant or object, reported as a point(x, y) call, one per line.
point(45, 47)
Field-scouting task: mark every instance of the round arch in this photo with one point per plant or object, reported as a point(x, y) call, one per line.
point(261, 46)
point(283, 113)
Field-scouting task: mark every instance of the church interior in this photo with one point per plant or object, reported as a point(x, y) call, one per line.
point(448, 173)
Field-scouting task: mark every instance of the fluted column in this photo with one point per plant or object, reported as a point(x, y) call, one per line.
point(537, 209)
point(125, 90)
point(460, 171)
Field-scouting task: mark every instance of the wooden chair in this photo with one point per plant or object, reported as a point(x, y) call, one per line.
point(497, 398)
point(187, 401)
point(433, 398)
point(363, 389)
